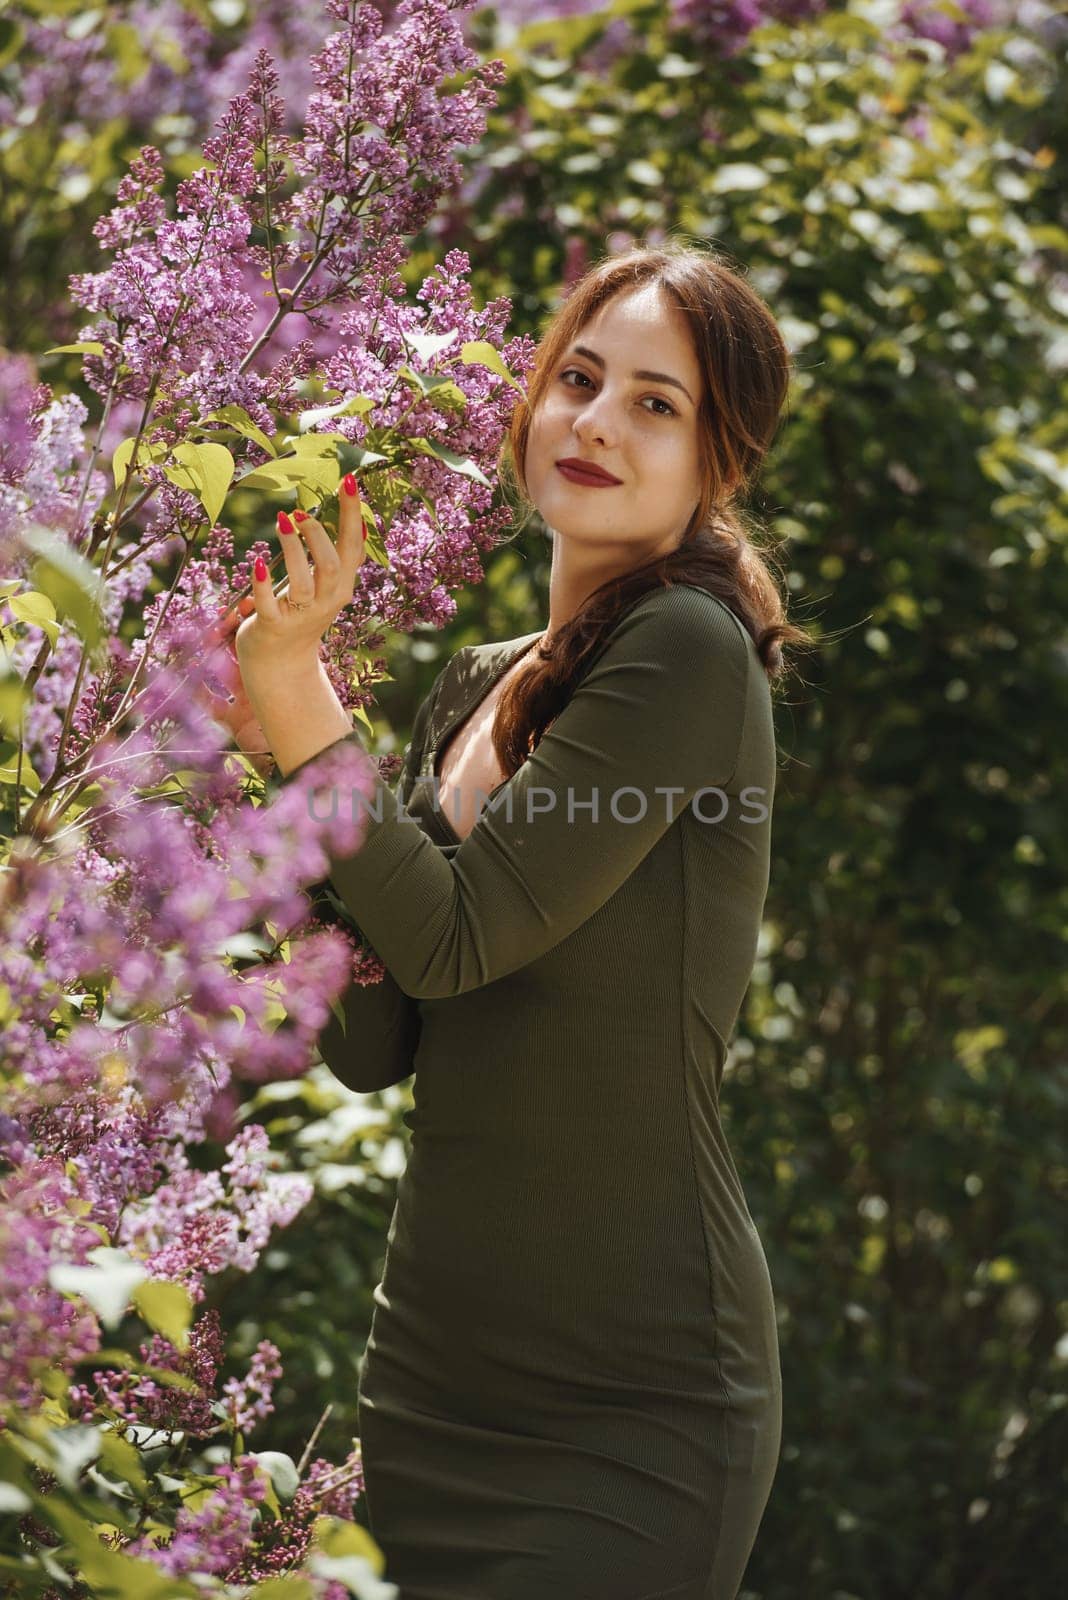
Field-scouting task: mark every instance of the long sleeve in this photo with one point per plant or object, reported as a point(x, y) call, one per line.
point(374, 1045)
point(661, 712)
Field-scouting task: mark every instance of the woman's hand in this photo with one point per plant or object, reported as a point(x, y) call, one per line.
point(285, 629)
point(232, 708)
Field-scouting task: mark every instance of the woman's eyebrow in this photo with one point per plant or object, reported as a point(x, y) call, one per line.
point(654, 377)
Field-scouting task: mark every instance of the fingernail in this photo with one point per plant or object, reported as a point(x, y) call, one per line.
point(284, 524)
point(349, 484)
point(260, 570)
point(300, 516)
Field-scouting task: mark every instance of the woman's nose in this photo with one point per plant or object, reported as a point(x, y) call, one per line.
point(596, 420)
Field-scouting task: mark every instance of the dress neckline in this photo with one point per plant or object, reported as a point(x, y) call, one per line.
point(467, 709)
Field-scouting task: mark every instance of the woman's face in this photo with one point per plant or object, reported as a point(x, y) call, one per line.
point(640, 429)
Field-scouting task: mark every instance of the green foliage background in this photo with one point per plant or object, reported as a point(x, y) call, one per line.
point(897, 1091)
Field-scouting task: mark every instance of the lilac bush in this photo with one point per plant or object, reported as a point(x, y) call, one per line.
point(246, 343)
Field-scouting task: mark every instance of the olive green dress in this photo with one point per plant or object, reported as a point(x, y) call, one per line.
point(571, 1389)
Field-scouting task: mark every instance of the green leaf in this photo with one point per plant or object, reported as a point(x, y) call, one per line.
point(107, 1285)
point(338, 1538)
point(205, 469)
point(167, 1308)
point(479, 352)
point(244, 946)
point(355, 1572)
point(11, 37)
point(68, 580)
point(72, 1450)
point(447, 395)
point(89, 347)
point(287, 1588)
point(111, 1574)
point(417, 379)
point(428, 345)
point(317, 444)
point(462, 464)
point(122, 464)
point(14, 699)
point(31, 783)
point(320, 473)
point(126, 50)
point(357, 405)
point(238, 418)
point(354, 458)
point(37, 609)
point(282, 1471)
point(119, 1457)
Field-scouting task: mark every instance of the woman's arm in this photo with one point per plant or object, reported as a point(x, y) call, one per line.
point(374, 1045)
point(659, 716)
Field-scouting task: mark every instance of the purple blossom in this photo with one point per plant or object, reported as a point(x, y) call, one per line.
point(173, 304)
point(132, 934)
point(42, 1224)
point(250, 1399)
point(212, 1539)
point(134, 1397)
point(73, 72)
point(195, 1225)
point(42, 461)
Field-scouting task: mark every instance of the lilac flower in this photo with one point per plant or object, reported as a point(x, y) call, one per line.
point(925, 20)
point(250, 1399)
point(18, 403)
point(282, 1545)
point(194, 1225)
point(41, 1225)
point(42, 457)
point(115, 1143)
point(173, 304)
point(132, 934)
point(156, 931)
point(211, 1539)
point(74, 71)
point(134, 1397)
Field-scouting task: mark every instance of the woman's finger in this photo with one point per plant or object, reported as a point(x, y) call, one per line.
point(301, 578)
point(351, 532)
point(231, 620)
point(266, 601)
point(324, 553)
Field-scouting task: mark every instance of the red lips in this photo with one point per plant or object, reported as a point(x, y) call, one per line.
point(578, 471)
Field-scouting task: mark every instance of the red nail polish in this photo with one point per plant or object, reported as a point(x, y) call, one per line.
point(349, 484)
point(300, 516)
point(284, 524)
point(260, 569)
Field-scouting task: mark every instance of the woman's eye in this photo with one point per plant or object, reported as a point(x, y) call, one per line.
point(574, 372)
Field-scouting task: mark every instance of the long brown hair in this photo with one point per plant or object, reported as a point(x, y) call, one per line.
point(746, 367)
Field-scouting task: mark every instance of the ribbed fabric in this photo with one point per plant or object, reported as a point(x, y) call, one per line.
point(572, 1383)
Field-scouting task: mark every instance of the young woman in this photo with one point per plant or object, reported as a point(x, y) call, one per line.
point(572, 1384)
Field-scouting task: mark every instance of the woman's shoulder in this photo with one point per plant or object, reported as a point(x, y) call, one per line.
point(681, 613)
point(678, 625)
point(688, 606)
